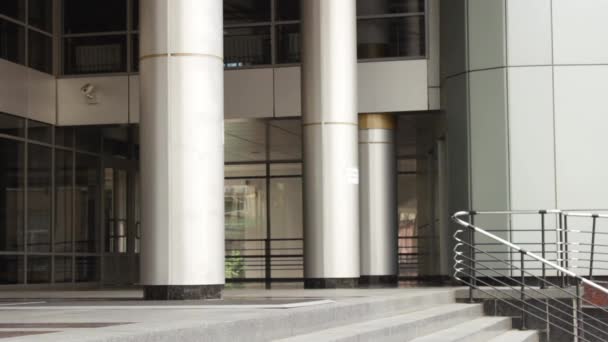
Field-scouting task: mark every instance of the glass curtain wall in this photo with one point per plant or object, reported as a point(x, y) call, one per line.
point(26, 33)
point(50, 202)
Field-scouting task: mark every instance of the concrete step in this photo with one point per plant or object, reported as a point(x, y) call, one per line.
point(517, 336)
point(477, 330)
point(398, 327)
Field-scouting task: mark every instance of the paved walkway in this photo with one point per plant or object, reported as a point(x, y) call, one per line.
point(121, 315)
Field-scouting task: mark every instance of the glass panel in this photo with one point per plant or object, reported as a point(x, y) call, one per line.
point(245, 217)
point(13, 8)
point(94, 16)
point(135, 55)
point(288, 169)
point(12, 125)
point(101, 54)
point(63, 269)
point(408, 231)
point(11, 269)
point(64, 136)
point(288, 43)
point(245, 140)
point(137, 212)
point(135, 13)
point(12, 42)
point(38, 269)
point(63, 200)
point(41, 14)
point(377, 7)
point(285, 140)
point(116, 141)
point(245, 170)
point(40, 52)
point(288, 9)
point(246, 46)
point(39, 131)
point(88, 138)
point(87, 269)
point(39, 198)
point(286, 227)
point(391, 37)
point(87, 203)
point(116, 220)
point(246, 11)
point(12, 164)
point(406, 165)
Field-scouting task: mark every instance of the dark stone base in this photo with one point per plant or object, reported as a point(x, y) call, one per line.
point(182, 292)
point(331, 283)
point(379, 281)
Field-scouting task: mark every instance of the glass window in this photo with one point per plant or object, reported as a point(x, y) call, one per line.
point(244, 170)
point(38, 269)
point(376, 7)
point(391, 37)
point(12, 156)
point(288, 169)
point(87, 203)
point(41, 14)
point(11, 269)
point(63, 269)
point(12, 42)
point(135, 10)
point(13, 8)
point(288, 43)
point(39, 131)
point(116, 141)
point(39, 198)
point(12, 125)
point(100, 54)
point(94, 16)
point(288, 9)
point(64, 136)
point(246, 11)
point(40, 52)
point(246, 46)
point(408, 231)
point(135, 53)
point(88, 138)
point(285, 139)
point(87, 269)
point(63, 200)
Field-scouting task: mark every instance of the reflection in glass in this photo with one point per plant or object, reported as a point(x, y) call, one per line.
point(39, 131)
point(13, 8)
point(391, 37)
point(287, 9)
point(408, 231)
point(246, 46)
point(116, 141)
point(12, 41)
point(11, 269)
point(40, 52)
point(64, 136)
point(38, 269)
point(40, 14)
point(99, 54)
point(288, 43)
point(63, 269)
point(286, 225)
point(87, 203)
point(94, 16)
point(63, 200)
point(12, 163)
point(246, 11)
point(115, 200)
point(378, 7)
point(88, 138)
point(39, 198)
point(12, 125)
point(87, 269)
point(285, 139)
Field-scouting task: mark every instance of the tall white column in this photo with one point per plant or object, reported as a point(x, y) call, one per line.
point(331, 176)
point(182, 163)
point(378, 198)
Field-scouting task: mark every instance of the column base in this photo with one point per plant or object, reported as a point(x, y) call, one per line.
point(379, 281)
point(182, 292)
point(331, 283)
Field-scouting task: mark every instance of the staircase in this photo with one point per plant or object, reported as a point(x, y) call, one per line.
point(443, 321)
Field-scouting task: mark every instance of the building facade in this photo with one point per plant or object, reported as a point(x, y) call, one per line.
point(339, 134)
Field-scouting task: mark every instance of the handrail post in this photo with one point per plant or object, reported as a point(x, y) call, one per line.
point(473, 263)
point(522, 254)
point(566, 249)
point(267, 263)
point(560, 251)
point(579, 309)
point(542, 229)
point(592, 247)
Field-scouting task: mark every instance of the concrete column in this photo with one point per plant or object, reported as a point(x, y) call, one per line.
point(182, 163)
point(331, 174)
point(378, 198)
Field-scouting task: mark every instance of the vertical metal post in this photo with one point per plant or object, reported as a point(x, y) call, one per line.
point(542, 229)
point(592, 247)
point(578, 306)
point(268, 276)
point(560, 251)
point(267, 242)
point(473, 275)
point(522, 254)
point(566, 249)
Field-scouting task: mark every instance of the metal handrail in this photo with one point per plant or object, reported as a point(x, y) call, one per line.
point(480, 276)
